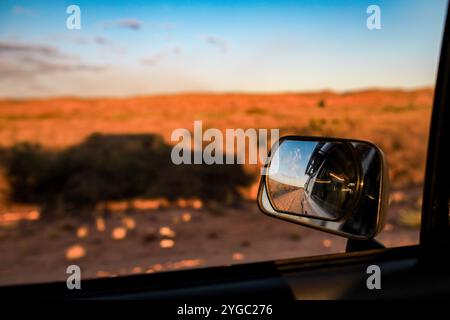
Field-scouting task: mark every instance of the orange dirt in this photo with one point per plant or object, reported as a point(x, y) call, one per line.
point(34, 250)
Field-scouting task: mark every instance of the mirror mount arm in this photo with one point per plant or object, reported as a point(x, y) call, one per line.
point(361, 245)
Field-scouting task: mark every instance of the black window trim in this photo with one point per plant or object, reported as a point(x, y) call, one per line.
point(434, 233)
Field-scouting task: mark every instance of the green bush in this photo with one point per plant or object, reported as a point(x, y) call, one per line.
point(113, 167)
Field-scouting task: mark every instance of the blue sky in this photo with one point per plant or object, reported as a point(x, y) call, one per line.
point(148, 47)
point(292, 157)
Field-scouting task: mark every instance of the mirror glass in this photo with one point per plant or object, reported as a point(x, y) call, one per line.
point(316, 179)
point(335, 185)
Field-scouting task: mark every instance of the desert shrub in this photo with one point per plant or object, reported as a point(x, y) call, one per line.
point(114, 167)
point(208, 182)
point(27, 166)
point(256, 111)
point(321, 103)
point(315, 126)
point(109, 167)
point(400, 108)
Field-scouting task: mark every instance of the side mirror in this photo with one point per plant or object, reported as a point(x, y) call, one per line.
point(334, 185)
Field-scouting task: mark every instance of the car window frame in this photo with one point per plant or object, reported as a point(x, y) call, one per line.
point(434, 231)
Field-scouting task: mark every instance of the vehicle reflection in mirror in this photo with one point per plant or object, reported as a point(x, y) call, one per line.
point(316, 179)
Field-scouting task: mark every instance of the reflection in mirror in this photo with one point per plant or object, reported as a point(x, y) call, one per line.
point(316, 179)
point(335, 185)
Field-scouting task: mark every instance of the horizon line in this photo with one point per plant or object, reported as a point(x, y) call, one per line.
point(217, 93)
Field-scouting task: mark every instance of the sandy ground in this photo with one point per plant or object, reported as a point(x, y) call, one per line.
point(163, 240)
point(290, 201)
point(174, 238)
